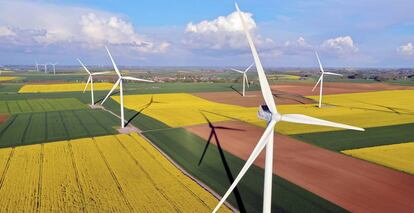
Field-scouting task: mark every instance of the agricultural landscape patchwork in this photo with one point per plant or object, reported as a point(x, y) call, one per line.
point(75, 158)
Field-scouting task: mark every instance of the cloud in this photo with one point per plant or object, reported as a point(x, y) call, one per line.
point(6, 31)
point(296, 47)
point(222, 33)
point(407, 49)
point(340, 45)
point(69, 26)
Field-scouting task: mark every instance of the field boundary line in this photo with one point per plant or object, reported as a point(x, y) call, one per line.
point(39, 184)
point(6, 168)
point(26, 129)
point(131, 208)
point(147, 175)
point(204, 186)
point(172, 175)
point(75, 168)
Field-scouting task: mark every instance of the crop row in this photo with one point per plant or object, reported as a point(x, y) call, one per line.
point(121, 173)
point(31, 128)
point(40, 105)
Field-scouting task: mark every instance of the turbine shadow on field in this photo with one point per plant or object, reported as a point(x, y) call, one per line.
point(223, 158)
point(143, 108)
point(288, 96)
point(392, 110)
point(101, 99)
point(236, 90)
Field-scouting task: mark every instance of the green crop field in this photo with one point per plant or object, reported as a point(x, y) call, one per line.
point(40, 105)
point(186, 148)
point(39, 127)
point(348, 139)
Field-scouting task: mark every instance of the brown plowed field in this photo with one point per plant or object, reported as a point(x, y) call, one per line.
point(3, 118)
point(305, 89)
point(292, 93)
point(356, 185)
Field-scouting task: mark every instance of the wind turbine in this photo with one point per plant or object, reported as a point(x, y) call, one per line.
point(321, 79)
point(54, 70)
point(119, 82)
point(270, 114)
point(245, 81)
point(45, 67)
point(37, 66)
point(90, 79)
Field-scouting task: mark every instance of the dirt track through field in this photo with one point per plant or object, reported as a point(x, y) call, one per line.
point(353, 184)
point(293, 93)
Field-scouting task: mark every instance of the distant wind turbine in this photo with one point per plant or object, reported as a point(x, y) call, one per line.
point(321, 79)
point(119, 82)
point(54, 68)
point(45, 67)
point(90, 79)
point(270, 114)
point(245, 81)
point(37, 67)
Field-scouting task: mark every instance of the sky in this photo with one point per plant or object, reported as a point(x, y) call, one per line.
point(345, 33)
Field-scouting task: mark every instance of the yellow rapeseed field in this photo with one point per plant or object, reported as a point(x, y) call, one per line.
point(397, 156)
point(177, 109)
point(66, 87)
point(117, 173)
point(7, 78)
point(180, 109)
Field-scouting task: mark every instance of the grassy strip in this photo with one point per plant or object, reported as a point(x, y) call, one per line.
point(186, 148)
point(33, 128)
point(347, 139)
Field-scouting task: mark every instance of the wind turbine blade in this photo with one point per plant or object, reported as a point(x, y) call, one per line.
point(319, 81)
point(331, 73)
point(135, 79)
point(239, 71)
point(110, 92)
point(247, 81)
point(319, 61)
point(256, 151)
point(100, 73)
point(264, 84)
point(304, 119)
point(84, 67)
point(113, 62)
point(89, 79)
point(248, 68)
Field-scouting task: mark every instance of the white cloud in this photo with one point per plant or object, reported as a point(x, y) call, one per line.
point(407, 49)
point(298, 46)
point(73, 26)
point(6, 31)
point(340, 45)
point(224, 32)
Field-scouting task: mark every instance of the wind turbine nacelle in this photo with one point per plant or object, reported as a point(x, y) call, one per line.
point(264, 113)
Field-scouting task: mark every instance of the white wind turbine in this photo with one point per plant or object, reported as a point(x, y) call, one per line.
point(90, 79)
point(245, 81)
point(45, 67)
point(54, 68)
point(120, 81)
point(269, 113)
point(321, 79)
point(37, 67)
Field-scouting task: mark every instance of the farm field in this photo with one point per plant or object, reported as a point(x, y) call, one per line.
point(396, 156)
point(40, 105)
point(182, 109)
point(62, 177)
point(337, 179)
point(32, 128)
point(344, 139)
point(64, 87)
point(175, 109)
point(7, 78)
point(186, 149)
